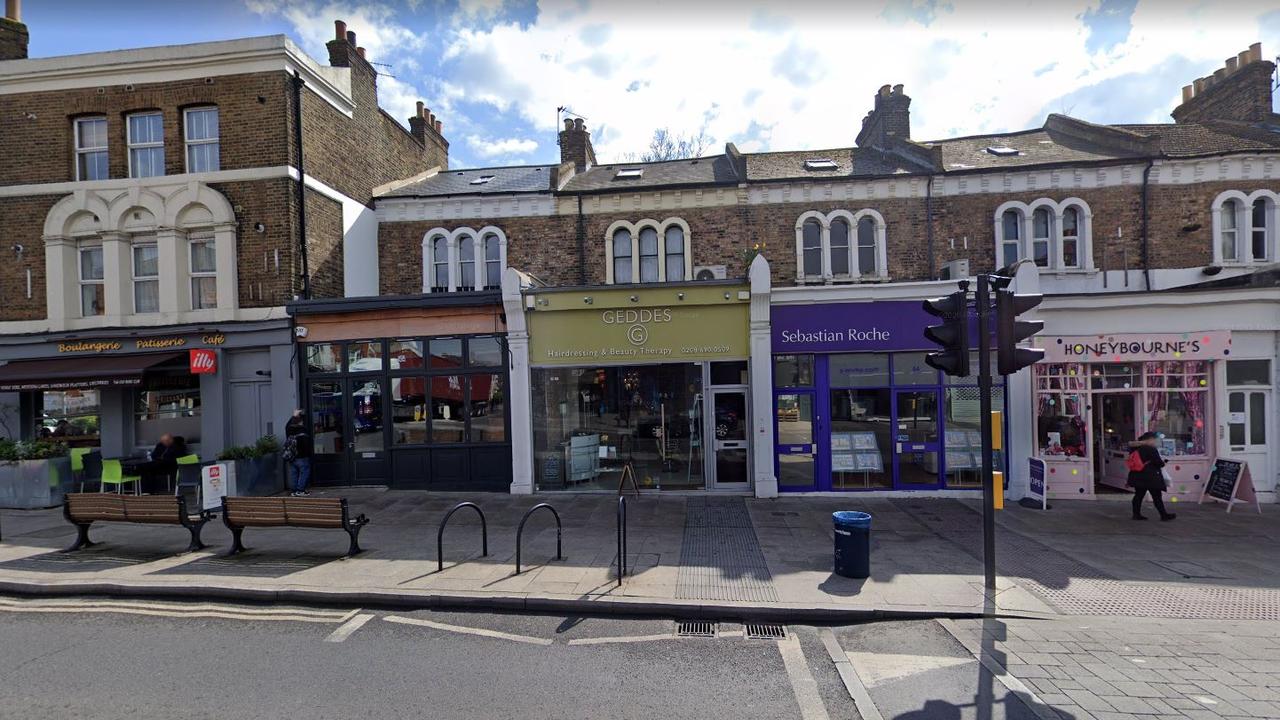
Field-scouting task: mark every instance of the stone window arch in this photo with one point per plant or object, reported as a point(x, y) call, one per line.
point(841, 246)
point(648, 251)
point(1056, 235)
point(463, 259)
point(1245, 227)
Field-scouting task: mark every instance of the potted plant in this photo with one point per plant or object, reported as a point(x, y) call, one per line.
point(257, 466)
point(33, 473)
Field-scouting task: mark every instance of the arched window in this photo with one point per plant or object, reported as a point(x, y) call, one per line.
point(622, 256)
point(675, 253)
point(1041, 236)
point(440, 264)
point(868, 250)
point(1228, 233)
point(492, 261)
point(1071, 238)
point(649, 255)
point(1260, 229)
point(467, 263)
point(840, 248)
point(811, 248)
point(1010, 237)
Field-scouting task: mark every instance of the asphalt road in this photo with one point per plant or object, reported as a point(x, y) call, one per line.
point(100, 658)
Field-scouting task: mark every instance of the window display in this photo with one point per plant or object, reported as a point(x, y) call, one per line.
point(167, 404)
point(71, 416)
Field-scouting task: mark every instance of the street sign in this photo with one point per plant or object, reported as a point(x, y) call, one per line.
point(1036, 488)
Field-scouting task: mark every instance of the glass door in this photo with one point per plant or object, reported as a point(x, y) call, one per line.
point(329, 432)
point(368, 447)
point(915, 440)
point(731, 441)
point(793, 415)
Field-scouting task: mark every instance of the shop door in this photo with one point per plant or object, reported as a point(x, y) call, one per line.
point(348, 432)
point(367, 448)
point(731, 470)
point(793, 413)
point(916, 447)
point(329, 432)
point(1247, 413)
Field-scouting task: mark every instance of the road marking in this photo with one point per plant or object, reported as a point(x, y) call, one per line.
point(172, 610)
point(852, 683)
point(1011, 683)
point(468, 630)
point(876, 669)
point(344, 631)
point(802, 682)
point(621, 639)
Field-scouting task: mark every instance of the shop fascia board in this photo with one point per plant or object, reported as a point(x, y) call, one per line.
point(615, 297)
point(1137, 301)
point(818, 294)
point(237, 329)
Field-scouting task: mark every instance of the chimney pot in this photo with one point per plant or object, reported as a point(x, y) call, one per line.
point(884, 90)
point(419, 108)
point(897, 89)
point(439, 126)
point(360, 51)
point(1198, 85)
point(431, 118)
point(1255, 52)
point(579, 124)
point(340, 29)
point(1242, 59)
point(1219, 74)
point(1187, 93)
point(13, 10)
point(351, 37)
point(568, 124)
point(1232, 64)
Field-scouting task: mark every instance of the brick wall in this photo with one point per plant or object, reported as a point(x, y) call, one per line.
point(272, 203)
point(1244, 95)
point(22, 225)
point(324, 245)
point(251, 110)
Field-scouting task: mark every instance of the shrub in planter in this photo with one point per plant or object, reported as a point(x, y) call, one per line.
point(33, 473)
point(257, 466)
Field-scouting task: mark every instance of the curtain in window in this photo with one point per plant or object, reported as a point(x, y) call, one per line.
point(675, 253)
point(1258, 229)
point(811, 248)
point(868, 263)
point(648, 255)
point(440, 262)
point(1227, 229)
point(1071, 237)
point(1011, 237)
point(839, 247)
point(467, 263)
point(1041, 231)
point(492, 261)
point(622, 257)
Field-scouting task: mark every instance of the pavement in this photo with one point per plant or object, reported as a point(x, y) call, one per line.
point(692, 556)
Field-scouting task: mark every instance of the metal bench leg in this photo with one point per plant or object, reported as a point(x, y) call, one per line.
point(236, 545)
point(196, 529)
point(82, 538)
point(354, 532)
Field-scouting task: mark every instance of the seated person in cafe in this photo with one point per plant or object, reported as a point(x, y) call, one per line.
point(163, 463)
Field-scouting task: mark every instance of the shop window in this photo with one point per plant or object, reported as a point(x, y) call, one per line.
point(92, 279)
point(1244, 227)
point(733, 372)
point(71, 416)
point(446, 353)
point(859, 370)
point(408, 410)
point(463, 259)
point(793, 370)
point(840, 246)
point(167, 404)
point(1116, 376)
point(488, 408)
point(861, 438)
point(146, 144)
point(204, 280)
point(91, 148)
point(1061, 410)
point(1176, 405)
point(484, 352)
point(200, 126)
point(146, 278)
point(962, 418)
point(647, 252)
point(365, 356)
point(1249, 372)
point(405, 354)
point(324, 357)
point(448, 416)
point(328, 429)
point(911, 369)
point(1054, 235)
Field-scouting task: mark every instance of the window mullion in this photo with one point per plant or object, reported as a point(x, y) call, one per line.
point(636, 260)
point(824, 235)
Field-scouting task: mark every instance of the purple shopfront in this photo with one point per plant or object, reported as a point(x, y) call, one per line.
point(856, 407)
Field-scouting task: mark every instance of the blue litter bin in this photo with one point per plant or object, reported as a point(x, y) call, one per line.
point(853, 543)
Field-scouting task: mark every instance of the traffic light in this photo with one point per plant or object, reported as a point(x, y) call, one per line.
point(1010, 331)
point(952, 335)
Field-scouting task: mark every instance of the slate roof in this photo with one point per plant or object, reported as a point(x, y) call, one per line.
point(516, 179)
point(852, 162)
point(710, 170)
point(1035, 147)
point(1191, 139)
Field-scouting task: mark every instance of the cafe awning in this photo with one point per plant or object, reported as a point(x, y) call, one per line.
point(81, 372)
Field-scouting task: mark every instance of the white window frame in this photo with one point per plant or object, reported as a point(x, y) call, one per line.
point(453, 252)
point(1027, 238)
point(82, 151)
point(661, 229)
point(84, 282)
point(188, 143)
point(130, 145)
point(197, 275)
point(856, 273)
point(1244, 229)
point(150, 242)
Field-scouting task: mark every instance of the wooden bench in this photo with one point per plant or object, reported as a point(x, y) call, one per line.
point(239, 513)
point(84, 509)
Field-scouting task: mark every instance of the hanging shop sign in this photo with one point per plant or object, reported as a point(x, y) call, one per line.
point(1129, 347)
point(614, 328)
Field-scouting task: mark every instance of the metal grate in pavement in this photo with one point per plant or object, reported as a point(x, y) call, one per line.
point(720, 556)
point(763, 631)
point(695, 628)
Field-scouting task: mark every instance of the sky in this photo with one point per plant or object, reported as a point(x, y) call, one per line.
point(764, 75)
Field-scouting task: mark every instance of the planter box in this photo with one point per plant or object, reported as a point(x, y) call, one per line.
point(29, 484)
point(260, 477)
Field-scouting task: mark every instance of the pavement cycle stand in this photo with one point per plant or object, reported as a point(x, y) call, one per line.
point(520, 531)
point(484, 534)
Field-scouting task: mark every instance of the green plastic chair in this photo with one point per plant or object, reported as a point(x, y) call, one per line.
point(77, 458)
point(191, 459)
point(113, 474)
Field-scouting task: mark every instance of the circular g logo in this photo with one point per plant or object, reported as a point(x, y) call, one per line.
point(637, 334)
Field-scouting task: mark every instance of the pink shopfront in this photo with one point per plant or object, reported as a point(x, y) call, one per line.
point(1096, 394)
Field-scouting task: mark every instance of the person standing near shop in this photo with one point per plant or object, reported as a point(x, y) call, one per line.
point(297, 453)
point(1146, 475)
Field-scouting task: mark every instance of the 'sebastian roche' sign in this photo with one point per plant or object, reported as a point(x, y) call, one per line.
point(880, 326)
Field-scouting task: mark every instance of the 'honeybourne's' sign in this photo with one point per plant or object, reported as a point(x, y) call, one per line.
point(1126, 347)
point(614, 330)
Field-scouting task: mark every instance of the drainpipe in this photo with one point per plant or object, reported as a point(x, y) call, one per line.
point(928, 227)
point(1146, 242)
point(582, 244)
point(298, 82)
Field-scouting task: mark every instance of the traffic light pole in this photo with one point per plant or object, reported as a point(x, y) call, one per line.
point(984, 391)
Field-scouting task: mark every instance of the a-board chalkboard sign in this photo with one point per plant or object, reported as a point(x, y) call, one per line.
point(1230, 482)
point(551, 476)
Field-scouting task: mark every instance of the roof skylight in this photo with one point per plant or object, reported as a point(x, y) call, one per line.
point(628, 173)
point(1003, 151)
point(482, 180)
point(821, 164)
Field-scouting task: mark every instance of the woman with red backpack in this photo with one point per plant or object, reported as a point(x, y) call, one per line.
point(1146, 475)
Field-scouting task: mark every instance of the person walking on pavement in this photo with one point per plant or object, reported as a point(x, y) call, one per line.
point(297, 453)
point(1146, 475)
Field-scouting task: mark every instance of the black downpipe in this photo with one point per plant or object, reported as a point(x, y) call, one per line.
point(928, 228)
point(582, 244)
point(298, 82)
point(1146, 242)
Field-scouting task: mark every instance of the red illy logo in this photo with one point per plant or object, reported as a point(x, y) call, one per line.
point(203, 362)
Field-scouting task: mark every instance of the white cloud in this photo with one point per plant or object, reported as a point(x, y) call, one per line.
point(504, 146)
point(805, 75)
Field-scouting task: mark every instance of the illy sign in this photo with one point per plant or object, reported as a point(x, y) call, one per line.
point(203, 362)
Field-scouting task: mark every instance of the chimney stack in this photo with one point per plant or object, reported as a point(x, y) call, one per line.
point(340, 30)
point(1238, 91)
point(14, 37)
point(342, 48)
point(889, 121)
point(575, 145)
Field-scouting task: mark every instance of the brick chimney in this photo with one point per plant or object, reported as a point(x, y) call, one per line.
point(1239, 90)
point(13, 34)
point(342, 48)
point(575, 145)
point(424, 123)
point(890, 120)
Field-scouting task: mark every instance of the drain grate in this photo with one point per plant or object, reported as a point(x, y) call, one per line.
point(759, 631)
point(695, 628)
